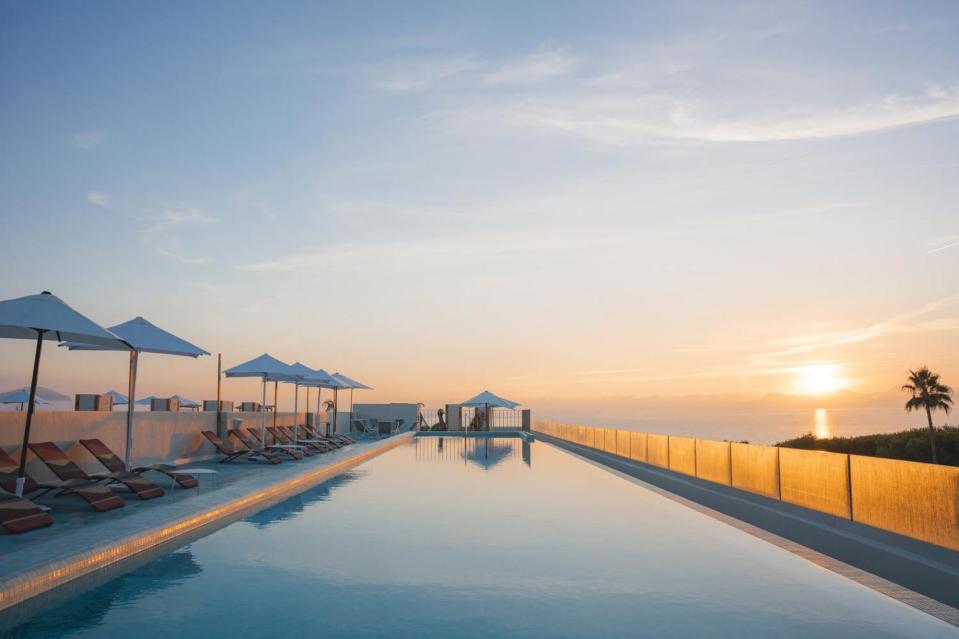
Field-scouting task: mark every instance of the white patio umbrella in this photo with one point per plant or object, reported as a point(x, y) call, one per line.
point(336, 384)
point(140, 336)
point(20, 396)
point(186, 403)
point(309, 378)
point(118, 398)
point(325, 381)
point(352, 384)
point(490, 400)
point(45, 317)
point(268, 369)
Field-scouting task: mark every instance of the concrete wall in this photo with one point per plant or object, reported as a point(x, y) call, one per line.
point(388, 413)
point(157, 436)
point(913, 499)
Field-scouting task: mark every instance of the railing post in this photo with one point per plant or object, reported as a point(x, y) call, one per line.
point(526, 420)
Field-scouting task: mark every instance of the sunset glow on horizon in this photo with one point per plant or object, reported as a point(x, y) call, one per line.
point(585, 208)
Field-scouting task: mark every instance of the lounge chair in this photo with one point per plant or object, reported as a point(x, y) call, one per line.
point(252, 444)
point(97, 495)
point(306, 435)
point(64, 468)
point(365, 429)
point(282, 439)
point(19, 515)
point(232, 454)
point(319, 445)
point(336, 438)
point(115, 465)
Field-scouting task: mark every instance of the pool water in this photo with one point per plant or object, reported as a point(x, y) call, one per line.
point(479, 538)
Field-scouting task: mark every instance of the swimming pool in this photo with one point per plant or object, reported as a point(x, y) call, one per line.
point(449, 537)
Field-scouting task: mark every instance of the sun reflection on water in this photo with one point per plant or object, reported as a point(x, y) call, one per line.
point(821, 428)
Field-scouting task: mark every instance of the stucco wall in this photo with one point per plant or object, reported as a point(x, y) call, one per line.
point(157, 436)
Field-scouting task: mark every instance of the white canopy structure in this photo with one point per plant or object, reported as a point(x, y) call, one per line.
point(336, 384)
point(309, 378)
point(45, 317)
point(489, 400)
point(139, 336)
point(186, 403)
point(268, 369)
point(318, 379)
point(351, 384)
point(118, 398)
point(20, 396)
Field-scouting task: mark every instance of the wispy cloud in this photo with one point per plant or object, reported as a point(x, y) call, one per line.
point(88, 139)
point(534, 68)
point(182, 259)
point(418, 74)
point(162, 234)
point(98, 198)
point(630, 121)
point(785, 354)
point(512, 236)
point(943, 243)
point(174, 217)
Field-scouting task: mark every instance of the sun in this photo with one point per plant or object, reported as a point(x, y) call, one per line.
point(819, 379)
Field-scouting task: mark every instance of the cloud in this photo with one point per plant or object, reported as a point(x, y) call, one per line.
point(535, 68)
point(944, 243)
point(418, 74)
point(162, 234)
point(780, 355)
point(179, 257)
point(630, 121)
point(98, 198)
point(88, 139)
point(512, 234)
point(174, 217)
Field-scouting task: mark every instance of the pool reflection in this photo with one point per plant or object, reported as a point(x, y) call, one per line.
point(290, 508)
point(454, 537)
point(483, 452)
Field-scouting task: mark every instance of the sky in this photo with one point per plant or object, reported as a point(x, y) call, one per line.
point(567, 203)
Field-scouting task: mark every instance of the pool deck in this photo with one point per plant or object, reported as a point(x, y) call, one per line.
point(82, 541)
point(919, 574)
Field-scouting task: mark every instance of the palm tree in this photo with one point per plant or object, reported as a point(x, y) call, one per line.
point(929, 393)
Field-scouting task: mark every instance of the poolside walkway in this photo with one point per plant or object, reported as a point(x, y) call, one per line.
point(83, 541)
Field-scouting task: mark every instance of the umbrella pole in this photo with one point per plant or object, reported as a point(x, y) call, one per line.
point(296, 408)
point(131, 396)
point(21, 471)
point(336, 408)
point(319, 396)
point(306, 407)
point(351, 406)
point(263, 416)
point(276, 404)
